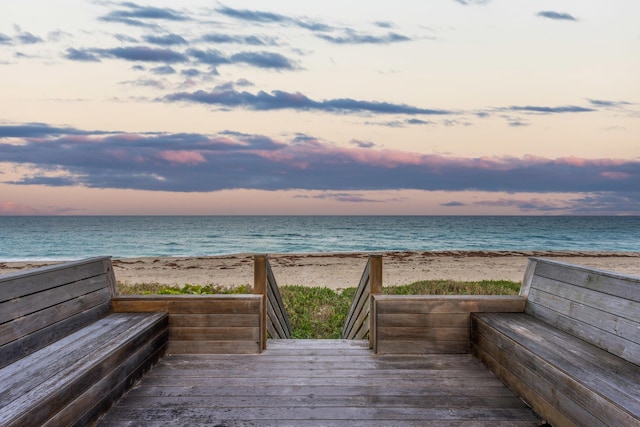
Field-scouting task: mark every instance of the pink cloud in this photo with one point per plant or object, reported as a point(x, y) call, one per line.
point(9, 207)
point(615, 175)
point(183, 157)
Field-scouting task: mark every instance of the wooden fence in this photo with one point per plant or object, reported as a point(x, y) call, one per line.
point(275, 321)
point(359, 321)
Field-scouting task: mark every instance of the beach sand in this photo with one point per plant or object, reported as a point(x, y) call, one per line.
point(339, 271)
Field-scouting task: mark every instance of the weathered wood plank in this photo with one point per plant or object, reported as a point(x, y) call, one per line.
point(221, 415)
point(21, 283)
point(591, 379)
point(615, 284)
point(26, 345)
point(214, 334)
point(425, 320)
point(213, 347)
point(32, 303)
point(418, 333)
point(189, 304)
point(21, 326)
point(214, 320)
point(97, 399)
point(392, 304)
point(423, 347)
point(333, 423)
point(61, 386)
point(597, 300)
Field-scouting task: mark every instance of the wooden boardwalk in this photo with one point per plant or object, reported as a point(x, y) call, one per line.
point(319, 383)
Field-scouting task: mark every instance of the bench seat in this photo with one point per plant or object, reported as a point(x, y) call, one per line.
point(72, 380)
point(553, 369)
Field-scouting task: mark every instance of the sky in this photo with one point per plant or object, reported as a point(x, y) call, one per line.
point(439, 107)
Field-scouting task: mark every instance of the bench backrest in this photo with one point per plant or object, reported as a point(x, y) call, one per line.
point(40, 306)
point(599, 307)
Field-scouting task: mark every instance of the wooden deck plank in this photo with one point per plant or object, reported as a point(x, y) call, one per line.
point(329, 382)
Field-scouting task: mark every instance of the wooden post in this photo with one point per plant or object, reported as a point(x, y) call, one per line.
point(260, 288)
point(375, 288)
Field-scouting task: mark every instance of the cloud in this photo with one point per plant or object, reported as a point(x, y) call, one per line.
point(132, 53)
point(187, 162)
point(453, 204)
point(558, 16)
point(144, 54)
point(472, 2)
point(247, 40)
point(163, 70)
point(4, 39)
point(264, 60)
point(134, 15)
point(341, 197)
point(551, 110)
point(273, 18)
point(608, 104)
point(82, 55)
point(226, 96)
point(351, 37)
point(166, 40)
point(28, 38)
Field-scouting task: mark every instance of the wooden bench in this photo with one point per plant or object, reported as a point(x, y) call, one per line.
point(574, 354)
point(65, 357)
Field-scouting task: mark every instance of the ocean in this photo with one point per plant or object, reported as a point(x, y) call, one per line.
point(24, 238)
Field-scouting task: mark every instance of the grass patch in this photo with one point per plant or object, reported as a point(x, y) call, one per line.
point(450, 287)
point(157, 288)
point(319, 313)
point(316, 313)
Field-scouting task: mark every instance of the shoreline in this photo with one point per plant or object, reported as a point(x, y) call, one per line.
point(342, 270)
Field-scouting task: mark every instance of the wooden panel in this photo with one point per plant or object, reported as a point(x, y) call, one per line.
point(214, 334)
point(213, 347)
point(201, 324)
point(214, 320)
point(21, 326)
point(622, 307)
point(43, 391)
point(189, 304)
point(423, 347)
point(432, 323)
point(261, 390)
point(417, 333)
point(35, 302)
point(615, 284)
point(96, 400)
point(361, 297)
point(425, 320)
point(27, 282)
point(17, 349)
point(599, 307)
point(388, 304)
point(584, 382)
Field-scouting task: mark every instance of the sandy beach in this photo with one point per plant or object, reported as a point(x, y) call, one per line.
point(338, 271)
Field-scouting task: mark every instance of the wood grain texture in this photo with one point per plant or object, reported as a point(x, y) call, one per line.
point(37, 387)
point(432, 323)
point(316, 386)
point(588, 385)
point(198, 322)
point(599, 307)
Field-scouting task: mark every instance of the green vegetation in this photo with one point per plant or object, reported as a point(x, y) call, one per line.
point(450, 287)
point(157, 288)
point(316, 312)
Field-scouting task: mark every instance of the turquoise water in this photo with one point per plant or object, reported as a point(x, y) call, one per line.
point(72, 237)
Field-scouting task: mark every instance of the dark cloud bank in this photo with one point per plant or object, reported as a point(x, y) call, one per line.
point(187, 162)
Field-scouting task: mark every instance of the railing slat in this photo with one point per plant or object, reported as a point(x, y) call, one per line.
point(275, 321)
point(359, 321)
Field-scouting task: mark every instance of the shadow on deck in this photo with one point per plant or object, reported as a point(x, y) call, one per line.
point(320, 383)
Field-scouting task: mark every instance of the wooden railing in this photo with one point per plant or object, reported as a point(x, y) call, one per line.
point(275, 322)
point(359, 321)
